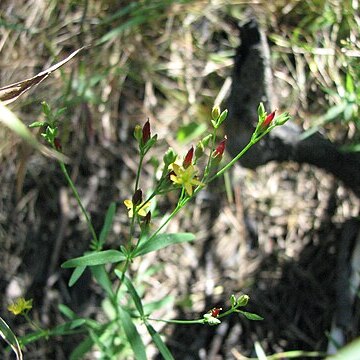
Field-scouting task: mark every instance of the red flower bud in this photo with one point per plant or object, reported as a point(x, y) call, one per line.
point(219, 151)
point(147, 218)
point(137, 197)
point(268, 119)
point(215, 312)
point(146, 132)
point(188, 158)
point(57, 144)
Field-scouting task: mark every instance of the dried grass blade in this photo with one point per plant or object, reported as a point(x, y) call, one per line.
point(11, 92)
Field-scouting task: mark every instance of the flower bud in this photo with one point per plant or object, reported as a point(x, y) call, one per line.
point(219, 151)
point(188, 158)
point(146, 133)
point(138, 133)
point(243, 300)
point(269, 118)
point(137, 197)
point(215, 312)
point(169, 157)
point(199, 150)
point(57, 144)
point(215, 112)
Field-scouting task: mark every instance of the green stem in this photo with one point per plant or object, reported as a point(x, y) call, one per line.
point(207, 167)
point(77, 197)
point(185, 322)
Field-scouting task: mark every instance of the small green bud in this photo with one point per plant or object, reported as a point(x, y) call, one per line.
point(205, 141)
point(169, 157)
point(222, 117)
point(282, 119)
point(46, 108)
point(199, 150)
point(138, 133)
point(215, 112)
point(261, 111)
point(243, 300)
point(209, 319)
point(233, 300)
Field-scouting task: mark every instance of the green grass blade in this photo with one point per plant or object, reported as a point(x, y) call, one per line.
point(132, 335)
point(164, 351)
point(162, 241)
point(10, 338)
point(95, 258)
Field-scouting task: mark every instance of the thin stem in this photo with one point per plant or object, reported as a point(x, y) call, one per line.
point(207, 167)
point(139, 171)
point(185, 322)
point(77, 197)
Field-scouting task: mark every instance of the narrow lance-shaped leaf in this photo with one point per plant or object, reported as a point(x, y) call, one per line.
point(164, 351)
point(107, 224)
point(75, 276)
point(95, 258)
point(162, 241)
point(132, 291)
point(132, 335)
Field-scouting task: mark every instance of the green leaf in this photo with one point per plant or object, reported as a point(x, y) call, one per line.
point(133, 293)
point(84, 347)
point(132, 335)
point(66, 311)
point(162, 241)
point(75, 276)
point(189, 132)
point(107, 224)
point(95, 258)
point(38, 124)
point(10, 338)
point(250, 316)
point(102, 278)
point(164, 351)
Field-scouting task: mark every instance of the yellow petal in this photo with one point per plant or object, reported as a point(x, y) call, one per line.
point(128, 203)
point(188, 188)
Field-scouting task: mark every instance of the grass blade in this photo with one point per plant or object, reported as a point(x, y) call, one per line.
point(10, 338)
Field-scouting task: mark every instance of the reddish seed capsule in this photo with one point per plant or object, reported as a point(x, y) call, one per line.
point(57, 144)
point(215, 312)
point(146, 133)
point(269, 119)
point(137, 197)
point(219, 151)
point(188, 158)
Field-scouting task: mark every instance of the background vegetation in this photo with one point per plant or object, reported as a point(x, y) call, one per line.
point(273, 234)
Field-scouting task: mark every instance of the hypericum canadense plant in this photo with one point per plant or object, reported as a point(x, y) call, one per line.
point(123, 303)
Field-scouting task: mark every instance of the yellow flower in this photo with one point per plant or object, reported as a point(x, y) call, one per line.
point(20, 306)
point(140, 209)
point(185, 177)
